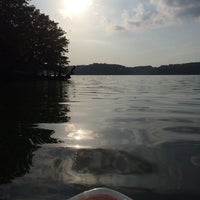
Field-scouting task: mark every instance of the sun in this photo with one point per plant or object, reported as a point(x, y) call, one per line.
point(76, 6)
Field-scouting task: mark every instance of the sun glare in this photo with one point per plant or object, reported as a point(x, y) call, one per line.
point(76, 6)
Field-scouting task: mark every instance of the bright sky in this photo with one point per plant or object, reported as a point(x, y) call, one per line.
point(128, 32)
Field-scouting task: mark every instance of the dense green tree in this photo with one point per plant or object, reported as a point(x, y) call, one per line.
point(30, 43)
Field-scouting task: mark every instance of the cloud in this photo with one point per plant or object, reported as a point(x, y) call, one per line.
point(180, 3)
point(179, 9)
point(140, 17)
point(119, 28)
point(109, 25)
point(155, 14)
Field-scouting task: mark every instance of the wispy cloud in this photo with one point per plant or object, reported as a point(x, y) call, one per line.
point(109, 25)
point(154, 14)
point(182, 9)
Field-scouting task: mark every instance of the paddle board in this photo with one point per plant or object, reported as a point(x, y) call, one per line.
point(100, 194)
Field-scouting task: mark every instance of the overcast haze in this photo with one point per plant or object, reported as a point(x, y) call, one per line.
point(128, 32)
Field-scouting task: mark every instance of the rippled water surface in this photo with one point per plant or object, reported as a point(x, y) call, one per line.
point(139, 135)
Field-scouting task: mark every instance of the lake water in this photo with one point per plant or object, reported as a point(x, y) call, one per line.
point(139, 135)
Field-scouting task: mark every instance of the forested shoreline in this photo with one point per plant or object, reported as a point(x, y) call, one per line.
point(113, 69)
point(32, 45)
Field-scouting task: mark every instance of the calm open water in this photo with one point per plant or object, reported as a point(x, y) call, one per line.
point(139, 135)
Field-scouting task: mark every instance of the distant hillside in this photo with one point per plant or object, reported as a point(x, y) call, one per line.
point(113, 69)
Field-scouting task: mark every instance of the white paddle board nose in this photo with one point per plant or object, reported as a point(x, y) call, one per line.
point(100, 194)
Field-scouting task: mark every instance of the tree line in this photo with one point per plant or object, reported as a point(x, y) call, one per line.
point(113, 69)
point(31, 44)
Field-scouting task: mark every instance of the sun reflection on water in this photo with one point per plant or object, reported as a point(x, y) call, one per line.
point(74, 133)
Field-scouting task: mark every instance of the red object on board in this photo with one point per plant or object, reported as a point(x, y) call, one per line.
point(99, 197)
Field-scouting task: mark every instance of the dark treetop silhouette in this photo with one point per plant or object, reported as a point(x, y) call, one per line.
point(32, 45)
